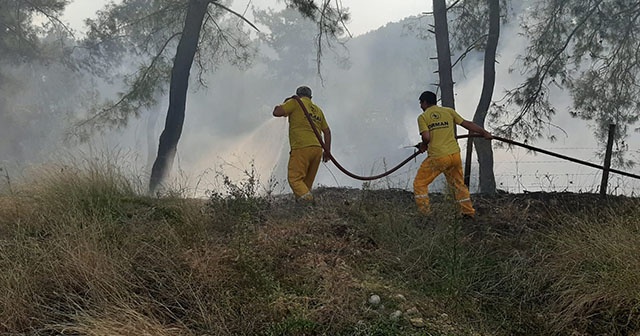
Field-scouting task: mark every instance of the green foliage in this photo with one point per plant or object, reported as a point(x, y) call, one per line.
point(36, 62)
point(19, 36)
point(330, 19)
point(588, 48)
point(469, 23)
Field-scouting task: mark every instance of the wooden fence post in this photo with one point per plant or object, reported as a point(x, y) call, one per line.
point(607, 161)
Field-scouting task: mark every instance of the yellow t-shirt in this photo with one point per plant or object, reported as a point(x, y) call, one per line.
point(300, 132)
point(441, 123)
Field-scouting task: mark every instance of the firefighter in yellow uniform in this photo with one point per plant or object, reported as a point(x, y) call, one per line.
point(437, 129)
point(306, 151)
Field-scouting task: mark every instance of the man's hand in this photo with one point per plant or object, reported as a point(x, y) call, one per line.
point(422, 147)
point(326, 156)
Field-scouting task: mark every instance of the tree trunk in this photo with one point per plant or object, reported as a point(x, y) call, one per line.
point(483, 147)
point(152, 120)
point(444, 53)
point(185, 52)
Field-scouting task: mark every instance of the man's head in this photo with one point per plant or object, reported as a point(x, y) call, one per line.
point(429, 98)
point(303, 91)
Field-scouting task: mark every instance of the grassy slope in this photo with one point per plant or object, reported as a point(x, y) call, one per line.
point(82, 253)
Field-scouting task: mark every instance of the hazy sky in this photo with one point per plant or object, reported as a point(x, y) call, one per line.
point(366, 15)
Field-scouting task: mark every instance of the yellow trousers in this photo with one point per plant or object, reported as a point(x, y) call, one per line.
point(302, 170)
point(451, 166)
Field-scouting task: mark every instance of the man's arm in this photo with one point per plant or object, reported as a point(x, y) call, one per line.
point(426, 137)
point(326, 155)
point(278, 111)
point(473, 127)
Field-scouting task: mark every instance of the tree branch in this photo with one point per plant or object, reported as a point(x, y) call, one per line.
point(469, 49)
point(51, 18)
point(543, 71)
point(131, 92)
point(16, 33)
point(448, 8)
point(216, 3)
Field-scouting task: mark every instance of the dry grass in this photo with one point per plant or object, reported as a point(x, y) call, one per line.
point(84, 253)
point(600, 264)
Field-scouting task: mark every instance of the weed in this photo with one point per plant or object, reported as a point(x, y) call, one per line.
point(238, 201)
point(293, 326)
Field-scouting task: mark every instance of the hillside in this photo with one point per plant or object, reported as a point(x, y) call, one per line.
point(85, 254)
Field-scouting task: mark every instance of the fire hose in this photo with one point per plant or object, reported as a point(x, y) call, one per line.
point(416, 153)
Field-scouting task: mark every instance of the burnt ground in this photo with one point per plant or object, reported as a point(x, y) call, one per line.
point(502, 211)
